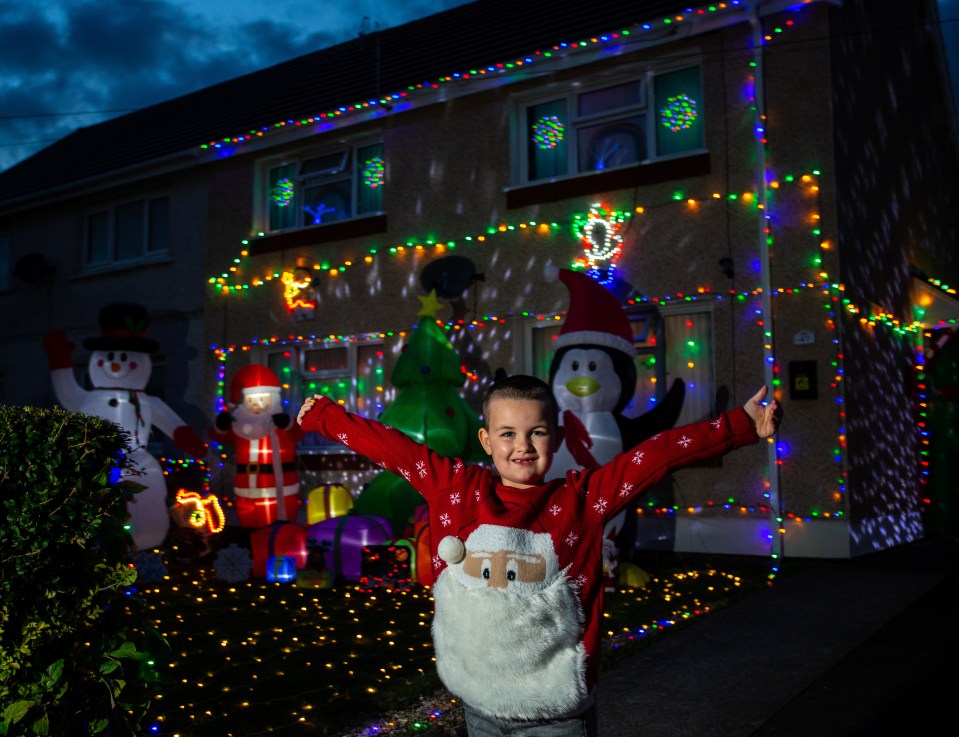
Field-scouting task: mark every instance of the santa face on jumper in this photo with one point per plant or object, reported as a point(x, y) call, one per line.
point(503, 585)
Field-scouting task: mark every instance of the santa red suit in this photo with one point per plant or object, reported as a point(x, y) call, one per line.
point(265, 439)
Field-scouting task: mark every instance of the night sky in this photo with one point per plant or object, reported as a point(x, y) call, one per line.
point(71, 63)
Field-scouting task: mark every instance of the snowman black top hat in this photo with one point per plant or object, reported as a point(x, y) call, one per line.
point(123, 327)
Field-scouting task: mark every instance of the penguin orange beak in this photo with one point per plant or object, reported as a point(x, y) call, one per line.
point(582, 386)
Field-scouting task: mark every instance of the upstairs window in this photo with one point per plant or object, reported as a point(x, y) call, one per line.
point(639, 119)
point(128, 233)
point(325, 187)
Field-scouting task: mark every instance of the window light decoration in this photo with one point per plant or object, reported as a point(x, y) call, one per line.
point(547, 132)
point(599, 233)
point(679, 114)
point(374, 172)
point(282, 194)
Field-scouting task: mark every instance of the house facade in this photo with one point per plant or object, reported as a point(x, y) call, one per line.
point(769, 188)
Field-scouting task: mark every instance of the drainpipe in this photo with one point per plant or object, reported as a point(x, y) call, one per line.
point(775, 504)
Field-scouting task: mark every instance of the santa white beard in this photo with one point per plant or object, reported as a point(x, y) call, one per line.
point(251, 426)
point(512, 652)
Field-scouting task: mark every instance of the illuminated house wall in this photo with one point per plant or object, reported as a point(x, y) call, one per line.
point(770, 249)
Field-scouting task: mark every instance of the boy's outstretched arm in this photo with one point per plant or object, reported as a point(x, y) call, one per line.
point(766, 417)
point(307, 406)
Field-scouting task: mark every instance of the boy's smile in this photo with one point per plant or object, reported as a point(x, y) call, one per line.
point(521, 440)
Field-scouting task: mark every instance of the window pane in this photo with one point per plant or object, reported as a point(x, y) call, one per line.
point(282, 365)
point(612, 98)
point(689, 355)
point(326, 359)
point(369, 380)
point(129, 231)
point(547, 130)
point(326, 203)
point(613, 144)
point(159, 237)
point(543, 348)
point(370, 175)
point(679, 113)
point(98, 238)
point(329, 164)
point(282, 197)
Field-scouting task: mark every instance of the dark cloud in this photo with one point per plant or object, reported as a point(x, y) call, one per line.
point(79, 62)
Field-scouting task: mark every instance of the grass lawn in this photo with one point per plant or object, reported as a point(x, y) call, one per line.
point(256, 658)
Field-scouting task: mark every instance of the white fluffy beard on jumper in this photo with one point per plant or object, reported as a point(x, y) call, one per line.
point(507, 626)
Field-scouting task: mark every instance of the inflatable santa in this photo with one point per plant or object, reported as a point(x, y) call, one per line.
point(119, 369)
point(265, 439)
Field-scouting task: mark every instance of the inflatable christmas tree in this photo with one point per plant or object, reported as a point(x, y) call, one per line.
point(429, 408)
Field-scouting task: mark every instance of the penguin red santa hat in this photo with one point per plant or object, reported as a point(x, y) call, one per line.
point(595, 316)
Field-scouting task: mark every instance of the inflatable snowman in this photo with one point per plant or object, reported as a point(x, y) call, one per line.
point(119, 369)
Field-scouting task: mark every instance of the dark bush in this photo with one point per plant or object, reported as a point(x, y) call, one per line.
point(74, 656)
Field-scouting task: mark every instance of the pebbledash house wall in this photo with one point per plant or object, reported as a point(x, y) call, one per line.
point(448, 175)
point(69, 298)
point(845, 473)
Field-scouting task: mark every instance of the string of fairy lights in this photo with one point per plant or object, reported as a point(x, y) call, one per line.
point(194, 698)
point(557, 51)
point(229, 284)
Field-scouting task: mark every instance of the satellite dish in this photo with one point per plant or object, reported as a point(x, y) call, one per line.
point(32, 267)
point(449, 276)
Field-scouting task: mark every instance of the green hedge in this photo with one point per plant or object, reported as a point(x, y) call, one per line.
point(74, 649)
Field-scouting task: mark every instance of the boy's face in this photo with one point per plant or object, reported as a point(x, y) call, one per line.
point(521, 439)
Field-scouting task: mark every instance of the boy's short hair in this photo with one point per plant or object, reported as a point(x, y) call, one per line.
point(521, 387)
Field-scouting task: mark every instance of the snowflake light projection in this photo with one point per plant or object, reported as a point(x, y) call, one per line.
point(282, 194)
point(547, 132)
point(602, 243)
point(679, 114)
point(373, 172)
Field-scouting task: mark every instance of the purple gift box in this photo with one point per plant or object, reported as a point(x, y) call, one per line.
point(344, 537)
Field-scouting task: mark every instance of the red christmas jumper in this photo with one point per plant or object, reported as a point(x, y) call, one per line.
point(573, 511)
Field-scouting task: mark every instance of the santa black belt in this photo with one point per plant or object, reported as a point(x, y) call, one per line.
point(261, 468)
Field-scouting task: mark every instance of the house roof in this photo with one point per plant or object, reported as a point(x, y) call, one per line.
point(471, 36)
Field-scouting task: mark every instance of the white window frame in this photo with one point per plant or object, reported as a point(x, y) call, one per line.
point(570, 93)
point(346, 172)
point(147, 252)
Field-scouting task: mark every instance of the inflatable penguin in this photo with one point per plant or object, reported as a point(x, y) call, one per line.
point(593, 378)
point(119, 370)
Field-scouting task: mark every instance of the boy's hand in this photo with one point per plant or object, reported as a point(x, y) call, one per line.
point(766, 417)
point(307, 406)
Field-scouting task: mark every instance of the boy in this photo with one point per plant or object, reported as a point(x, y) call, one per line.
point(518, 592)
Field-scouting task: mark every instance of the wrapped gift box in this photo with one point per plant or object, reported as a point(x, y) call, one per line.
point(387, 566)
point(344, 538)
point(327, 501)
point(423, 557)
point(281, 539)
